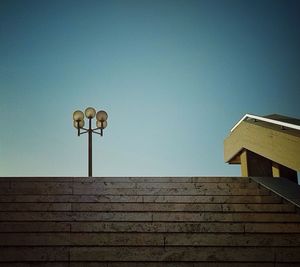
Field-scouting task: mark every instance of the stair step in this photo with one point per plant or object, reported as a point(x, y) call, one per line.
point(150, 216)
point(132, 188)
point(149, 239)
point(185, 254)
point(129, 179)
point(82, 190)
point(165, 179)
point(205, 254)
point(141, 198)
point(210, 227)
point(145, 264)
point(106, 206)
point(161, 227)
point(40, 254)
point(78, 186)
point(38, 227)
point(152, 185)
point(272, 227)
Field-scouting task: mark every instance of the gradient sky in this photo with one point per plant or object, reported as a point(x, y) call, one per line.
point(174, 77)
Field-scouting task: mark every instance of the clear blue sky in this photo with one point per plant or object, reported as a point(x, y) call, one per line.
point(174, 77)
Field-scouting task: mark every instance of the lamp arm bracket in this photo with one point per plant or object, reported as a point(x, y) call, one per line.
point(86, 131)
point(94, 131)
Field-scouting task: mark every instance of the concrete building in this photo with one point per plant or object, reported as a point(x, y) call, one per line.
point(265, 146)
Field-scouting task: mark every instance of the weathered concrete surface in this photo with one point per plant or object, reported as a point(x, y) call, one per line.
point(141, 221)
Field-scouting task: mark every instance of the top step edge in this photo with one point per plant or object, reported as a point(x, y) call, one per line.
point(128, 178)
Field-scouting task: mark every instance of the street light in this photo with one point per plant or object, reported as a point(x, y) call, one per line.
point(101, 124)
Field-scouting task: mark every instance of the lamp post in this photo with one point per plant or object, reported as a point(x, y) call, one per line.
point(101, 123)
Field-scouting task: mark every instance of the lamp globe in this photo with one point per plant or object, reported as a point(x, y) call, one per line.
point(78, 115)
point(78, 124)
point(90, 113)
point(101, 115)
point(101, 124)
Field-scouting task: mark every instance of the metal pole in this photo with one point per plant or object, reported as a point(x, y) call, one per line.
point(90, 147)
point(78, 129)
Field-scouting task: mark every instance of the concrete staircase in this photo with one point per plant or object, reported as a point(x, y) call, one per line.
point(178, 222)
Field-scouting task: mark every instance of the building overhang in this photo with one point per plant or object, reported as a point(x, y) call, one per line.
point(275, 139)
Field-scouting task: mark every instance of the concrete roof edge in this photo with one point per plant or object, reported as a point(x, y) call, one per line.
point(277, 122)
